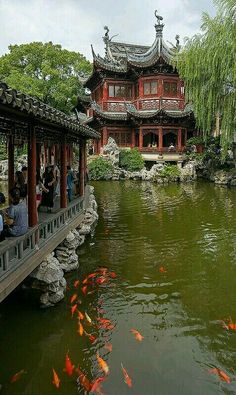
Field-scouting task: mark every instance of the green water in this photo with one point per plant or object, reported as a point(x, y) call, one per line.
point(190, 230)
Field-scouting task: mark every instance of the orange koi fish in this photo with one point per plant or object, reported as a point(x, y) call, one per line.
point(127, 379)
point(108, 347)
point(56, 381)
point(112, 274)
point(162, 269)
point(231, 325)
point(84, 289)
point(84, 382)
point(76, 283)
point(17, 376)
point(92, 275)
point(80, 315)
point(137, 335)
point(103, 365)
point(101, 280)
point(73, 309)
point(68, 365)
point(81, 329)
point(73, 298)
point(88, 318)
point(104, 323)
point(222, 375)
point(92, 338)
point(96, 383)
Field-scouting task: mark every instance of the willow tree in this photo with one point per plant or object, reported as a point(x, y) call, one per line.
point(207, 64)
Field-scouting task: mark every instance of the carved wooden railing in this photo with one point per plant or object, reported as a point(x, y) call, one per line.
point(145, 104)
point(15, 250)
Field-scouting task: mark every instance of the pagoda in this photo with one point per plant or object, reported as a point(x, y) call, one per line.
point(137, 97)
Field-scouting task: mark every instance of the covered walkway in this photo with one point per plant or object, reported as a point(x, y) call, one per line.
point(50, 136)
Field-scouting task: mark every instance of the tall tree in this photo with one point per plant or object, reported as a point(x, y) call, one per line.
point(46, 71)
point(207, 64)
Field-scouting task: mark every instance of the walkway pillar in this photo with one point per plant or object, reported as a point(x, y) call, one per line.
point(11, 172)
point(179, 139)
point(63, 181)
point(140, 138)
point(82, 147)
point(160, 148)
point(32, 209)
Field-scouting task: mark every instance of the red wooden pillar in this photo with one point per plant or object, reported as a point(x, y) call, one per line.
point(105, 136)
point(133, 138)
point(140, 138)
point(11, 173)
point(160, 147)
point(32, 209)
point(81, 166)
point(179, 140)
point(63, 176)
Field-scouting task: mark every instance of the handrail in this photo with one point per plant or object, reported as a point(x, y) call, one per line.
point(14, 251)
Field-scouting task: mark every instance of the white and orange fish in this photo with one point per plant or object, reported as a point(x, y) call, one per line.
point(127, 379)
point(103, 365)
point(137, 335)
point(17, 376)
point(56, 381)
point(88, 318)
point(84, 381)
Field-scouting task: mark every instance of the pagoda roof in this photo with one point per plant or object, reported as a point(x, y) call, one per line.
point(12, 100)
point(132, 112)
point(120, 57)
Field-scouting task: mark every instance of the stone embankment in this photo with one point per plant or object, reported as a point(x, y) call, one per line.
point(49, 276)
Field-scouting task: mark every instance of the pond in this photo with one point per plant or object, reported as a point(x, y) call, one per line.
point(172, 254)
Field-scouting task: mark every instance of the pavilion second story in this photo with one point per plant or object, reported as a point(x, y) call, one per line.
point(143, 76)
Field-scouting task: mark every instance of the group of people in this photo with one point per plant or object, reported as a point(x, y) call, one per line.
point(14, 219)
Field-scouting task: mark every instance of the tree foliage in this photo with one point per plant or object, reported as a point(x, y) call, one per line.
point(100, 169)
point(207, 65)
point(131, 160)
point(46, 71)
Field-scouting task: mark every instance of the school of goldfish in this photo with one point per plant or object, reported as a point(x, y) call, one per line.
point(86, 287)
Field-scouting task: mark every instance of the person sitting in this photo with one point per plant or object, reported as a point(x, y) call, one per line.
point(171, 147)
point(16, 217)
point(2, 201)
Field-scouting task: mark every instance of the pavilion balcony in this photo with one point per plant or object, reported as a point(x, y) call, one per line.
point(145, 105)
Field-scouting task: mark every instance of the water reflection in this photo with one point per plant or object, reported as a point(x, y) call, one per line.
point(190, 231)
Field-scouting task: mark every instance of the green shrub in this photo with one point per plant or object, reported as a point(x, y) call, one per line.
point(131, 160)
point(170, 171)
point(100, 169)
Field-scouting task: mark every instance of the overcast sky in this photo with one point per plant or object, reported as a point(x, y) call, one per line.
point(76, 24)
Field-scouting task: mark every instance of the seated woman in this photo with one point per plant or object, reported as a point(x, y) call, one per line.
point(16, 217)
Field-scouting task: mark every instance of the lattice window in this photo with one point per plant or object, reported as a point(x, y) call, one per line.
point(121, 137)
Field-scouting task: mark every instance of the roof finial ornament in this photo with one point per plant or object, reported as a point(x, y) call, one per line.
point(177, 41)
point(159, 18)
